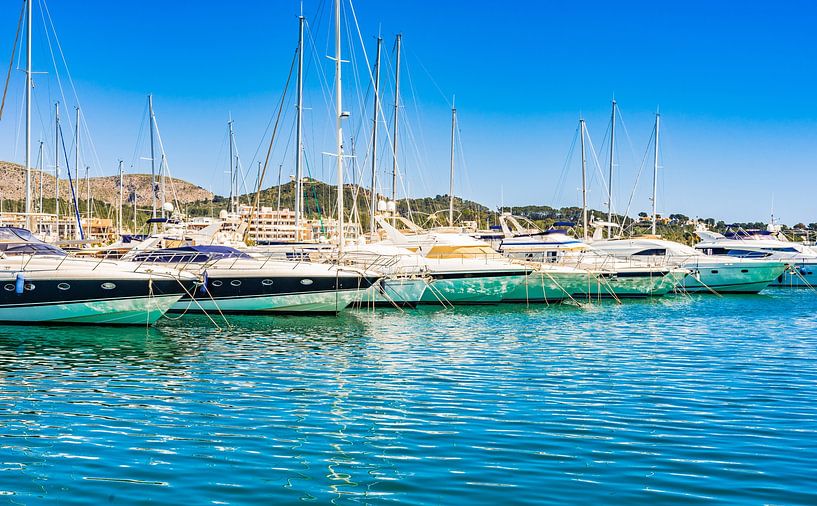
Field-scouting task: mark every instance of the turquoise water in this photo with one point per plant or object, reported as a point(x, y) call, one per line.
point(682, 400)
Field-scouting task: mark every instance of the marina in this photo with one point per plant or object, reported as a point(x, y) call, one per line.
point(300, 313)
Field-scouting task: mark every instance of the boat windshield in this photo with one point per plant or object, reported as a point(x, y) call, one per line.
point(189, 254)
point(19, 241)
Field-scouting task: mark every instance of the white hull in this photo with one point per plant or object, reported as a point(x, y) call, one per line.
point(315, 302)
point(396, 291)
point(472, 290)
point(135, 311)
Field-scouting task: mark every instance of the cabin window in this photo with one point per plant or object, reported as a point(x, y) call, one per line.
point(306, 282)
point(108, 286)
point(29, 287)
point(652, 252)
point(744, 271)
point(235, 282)
point(9, 287)
point(551, 256)
point(714, 271)
point(266, 282)
point(216, 283)
point(63, 286)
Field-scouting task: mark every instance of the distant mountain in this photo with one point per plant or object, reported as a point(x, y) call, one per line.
point(105, 189)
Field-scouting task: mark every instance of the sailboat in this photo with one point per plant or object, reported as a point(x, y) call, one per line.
point(42, 284)
point(709, 274)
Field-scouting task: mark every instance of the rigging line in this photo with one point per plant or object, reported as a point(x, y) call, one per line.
point(595, 159)
point(557, 192)
point(167, 174)
point(322, 79)
point(271, 143)
point(11, 60)
point(83, 118)
point(637, 178)
point(445, 98)
point(139, 135)
point(371, 80)
point(71, 185)
point(423, 161)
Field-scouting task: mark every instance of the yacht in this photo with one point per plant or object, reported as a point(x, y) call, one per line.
point(235, 282)
point(709, 273)
point(406, 275)
point(43, 284)
point(463, 270)
point(771, 245)
point(604, 276)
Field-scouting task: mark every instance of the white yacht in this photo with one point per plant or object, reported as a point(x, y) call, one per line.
point(406, 275)
point(604, 275)
point(709, 273)
point(463, 270)
point(43, 284)
point(768, 244)
point(235, 282)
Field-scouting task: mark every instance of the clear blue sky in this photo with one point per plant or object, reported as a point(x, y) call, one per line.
point(736, 86)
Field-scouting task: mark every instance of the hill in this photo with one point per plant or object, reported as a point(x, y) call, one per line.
point(105, 189)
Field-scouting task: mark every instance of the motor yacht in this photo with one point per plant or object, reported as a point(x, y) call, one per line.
point(770, 245)
point(41, 283)
point(235, 282)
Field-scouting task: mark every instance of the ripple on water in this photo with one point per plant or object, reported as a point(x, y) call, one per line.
point(694, 399)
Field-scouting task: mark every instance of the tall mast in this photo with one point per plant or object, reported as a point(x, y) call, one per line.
point(28, 115)
point(451, 182)
point(88, 195)
point(339, 127)
point(610, 177)
point(396, 109)
point(40, 165)
point(152, 165)
point(299, 130)
point(584, 181)
point(78, 192)
point(655, 173)
point(373, 193)
point(121, 197)
point(232, 165)
point(57, 167)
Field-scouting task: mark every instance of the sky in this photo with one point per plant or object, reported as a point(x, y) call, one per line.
point(735, 88)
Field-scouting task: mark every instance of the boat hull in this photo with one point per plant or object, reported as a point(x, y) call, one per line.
point(545, 286)
point(88, 301)
point(236, 294)
point(630, 285)
point(801, 275)
point(471, 287)
point(395, 291)
point(736, 278)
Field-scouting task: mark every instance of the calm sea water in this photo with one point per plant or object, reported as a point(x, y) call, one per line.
point(682, 400)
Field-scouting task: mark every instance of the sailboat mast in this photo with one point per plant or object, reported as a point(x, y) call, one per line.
point(451, 176)
point(339, 126)
point(584, 181)
point(88, 194)
point(57, 167)
point(396, 110)
point(373, 192)
point(152, 165)
point(610, 176)
point(232, 165)
point(121, 197)
point(655, 173)
point(40, 165)
point(299, 131)
point(28, 115)
point(78, 189)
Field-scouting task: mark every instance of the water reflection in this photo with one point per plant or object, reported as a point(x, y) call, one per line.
point(687, 399)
